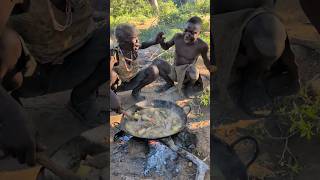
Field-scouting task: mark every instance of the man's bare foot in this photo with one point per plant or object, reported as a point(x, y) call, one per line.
point(136, 95)
point(163, 88)
point(255, 99)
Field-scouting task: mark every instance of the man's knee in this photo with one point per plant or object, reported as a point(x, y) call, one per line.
point(114, 77)
point(267, 41)
point(162, 65)
point(153, 72)
point(12, 48)
point(193, 73)
point(115, 102)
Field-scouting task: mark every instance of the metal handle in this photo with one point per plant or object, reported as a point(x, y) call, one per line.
point(187, 106)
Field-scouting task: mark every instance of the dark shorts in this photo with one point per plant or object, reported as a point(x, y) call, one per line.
point(77, 67)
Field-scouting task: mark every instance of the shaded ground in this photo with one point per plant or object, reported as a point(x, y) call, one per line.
point(305, 43)
point(53, 121)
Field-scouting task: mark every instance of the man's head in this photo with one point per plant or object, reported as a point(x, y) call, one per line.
point(192, 30)
point(127, 37)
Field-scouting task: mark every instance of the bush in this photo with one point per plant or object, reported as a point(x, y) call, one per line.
point(130, 8)
point(171, 18)
point(302, 113)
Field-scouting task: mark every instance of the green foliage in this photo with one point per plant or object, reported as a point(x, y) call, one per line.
point(171, 18)
point(295, 168)
point(130, 8)
point(205, 98)
point(303, 113)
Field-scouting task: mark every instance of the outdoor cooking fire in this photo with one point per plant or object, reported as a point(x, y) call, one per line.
point(162, 156)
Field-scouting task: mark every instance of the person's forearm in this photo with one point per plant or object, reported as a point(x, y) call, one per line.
point(147, 44)
point(310, 7)
point(207, 64)
point(165, 45)
point(6, 7)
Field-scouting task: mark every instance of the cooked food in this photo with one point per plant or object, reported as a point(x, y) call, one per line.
point(153, 123)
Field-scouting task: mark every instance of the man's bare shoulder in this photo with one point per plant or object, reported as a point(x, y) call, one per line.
point(202, 43)
point(178, 36)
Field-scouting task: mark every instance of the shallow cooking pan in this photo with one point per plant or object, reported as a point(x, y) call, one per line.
point(182, 112)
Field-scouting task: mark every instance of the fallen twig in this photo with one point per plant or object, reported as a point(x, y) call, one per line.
point(202, 167)
point(62, 172)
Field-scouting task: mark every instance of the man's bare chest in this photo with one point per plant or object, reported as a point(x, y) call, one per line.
point(187, 51)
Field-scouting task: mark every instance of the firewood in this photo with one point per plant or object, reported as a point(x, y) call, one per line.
point(202, 167)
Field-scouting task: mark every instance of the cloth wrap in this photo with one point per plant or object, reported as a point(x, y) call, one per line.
point(178, 74)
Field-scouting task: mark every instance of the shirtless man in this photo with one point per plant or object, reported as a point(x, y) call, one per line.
point(125, 64)
point(188, 47)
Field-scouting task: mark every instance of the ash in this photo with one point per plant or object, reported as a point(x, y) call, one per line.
point(161, 160)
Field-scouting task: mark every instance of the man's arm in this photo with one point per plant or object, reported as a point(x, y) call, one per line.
point(159, 38)
point(147, 44)
point(169, 44)
point(206, 59)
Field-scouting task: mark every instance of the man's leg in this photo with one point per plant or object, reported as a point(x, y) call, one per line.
point(142, 79)
point(311, 9)
point(164, 70)
point(263, 46)
point(192, 81)
point(151, 74)
point(83, 71)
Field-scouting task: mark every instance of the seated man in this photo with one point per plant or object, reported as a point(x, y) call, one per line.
point(70, 51)
point(188, 48)
point(16, 135)
point(126, 68)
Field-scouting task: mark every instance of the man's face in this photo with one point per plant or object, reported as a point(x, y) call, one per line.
point(191, 33)
point(132, 43)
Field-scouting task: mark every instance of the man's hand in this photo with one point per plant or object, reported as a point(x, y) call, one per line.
point(159, 38)
point(212, 68)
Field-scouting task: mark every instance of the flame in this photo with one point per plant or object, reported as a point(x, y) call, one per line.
point(153, 142)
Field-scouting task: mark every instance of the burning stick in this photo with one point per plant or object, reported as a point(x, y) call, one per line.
point(202, 167)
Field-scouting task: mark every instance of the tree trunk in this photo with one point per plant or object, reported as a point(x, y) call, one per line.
point(154, 4)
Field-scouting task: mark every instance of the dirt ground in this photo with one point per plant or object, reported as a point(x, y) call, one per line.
point(305, 43)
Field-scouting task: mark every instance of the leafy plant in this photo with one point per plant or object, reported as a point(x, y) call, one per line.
point(303, 113)
point(170, 20)
point(205, 98)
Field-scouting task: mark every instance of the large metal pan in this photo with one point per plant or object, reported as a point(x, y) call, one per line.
point(182, 112)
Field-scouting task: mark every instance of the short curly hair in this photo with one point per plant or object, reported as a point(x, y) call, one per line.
point(195, 20)
point(123, 31)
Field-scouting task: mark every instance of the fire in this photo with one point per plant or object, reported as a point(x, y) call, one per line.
point(153, 142)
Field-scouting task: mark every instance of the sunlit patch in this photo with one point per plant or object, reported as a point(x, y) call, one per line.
point(198, 125)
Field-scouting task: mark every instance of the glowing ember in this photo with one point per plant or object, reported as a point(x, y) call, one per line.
point(153, 142)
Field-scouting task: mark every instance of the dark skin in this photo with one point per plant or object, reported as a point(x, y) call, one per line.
point(188, 48)
point(130, 47)
point(262, 44)
point(225, 6)
point(15, 133)
point(311, 9)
